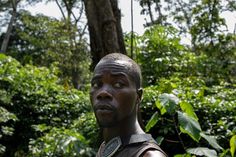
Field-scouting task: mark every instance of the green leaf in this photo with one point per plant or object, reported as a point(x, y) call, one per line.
point(187, 108)
point(212, 141)
point(2, 147)
point(202, 151)
point(7, 130)
point(41, 127)
point(152, 121)
point(160, 107)
point(232, 143)
point(189, 125)
point(5, 97)
point(159, 140)
point(5, 115)
point(167, 103)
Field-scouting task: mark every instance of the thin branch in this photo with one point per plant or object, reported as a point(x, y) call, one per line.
point(83, 32)
point(61, 10)
point(180, 139)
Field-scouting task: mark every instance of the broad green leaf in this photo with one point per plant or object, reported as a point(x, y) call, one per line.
point(187, 108)
point(189, 126)
point(160, 107)
point(167, 103)
point(211, 140)
point(152, 121)
point(232, 143)
point(202, 151)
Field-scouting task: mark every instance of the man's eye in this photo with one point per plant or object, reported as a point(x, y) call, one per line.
point(118, 85)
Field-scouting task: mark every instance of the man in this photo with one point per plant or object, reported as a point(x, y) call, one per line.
point(115, 95)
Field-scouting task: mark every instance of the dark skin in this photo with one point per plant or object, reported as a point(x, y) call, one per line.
point(115, 99)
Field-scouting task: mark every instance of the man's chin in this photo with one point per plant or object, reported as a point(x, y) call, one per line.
point(107, 124)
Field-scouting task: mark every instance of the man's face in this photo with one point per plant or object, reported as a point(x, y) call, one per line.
point(113, 94)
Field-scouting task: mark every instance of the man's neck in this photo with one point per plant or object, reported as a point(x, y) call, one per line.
point(122, 129)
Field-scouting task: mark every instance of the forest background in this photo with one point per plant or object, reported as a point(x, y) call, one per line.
point(189, 102)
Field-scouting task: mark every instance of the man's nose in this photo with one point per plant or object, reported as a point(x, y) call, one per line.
point(104, 94)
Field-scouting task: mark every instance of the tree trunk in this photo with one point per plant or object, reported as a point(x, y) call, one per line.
point(9, 28)
point(104, 28)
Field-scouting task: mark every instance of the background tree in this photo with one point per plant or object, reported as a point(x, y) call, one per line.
point(104, 24)
point(10, 7)
point(153, 9)
point(76, 37)
point(13, 12)
point(61, 41)
point(199, 19)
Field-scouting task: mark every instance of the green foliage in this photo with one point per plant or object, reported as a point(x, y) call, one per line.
point(60, 142)
point(207, 21)
point(190, 98)
point(160, 54)
point(88, 127)
point(160, 47)
point(42, 41)
point(194, 114)
point(35, 108)
point(189, 123)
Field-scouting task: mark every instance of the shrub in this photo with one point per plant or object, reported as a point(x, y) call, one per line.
point(212, 108)
point(30, 97)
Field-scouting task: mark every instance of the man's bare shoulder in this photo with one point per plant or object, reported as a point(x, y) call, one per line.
point(153, 153)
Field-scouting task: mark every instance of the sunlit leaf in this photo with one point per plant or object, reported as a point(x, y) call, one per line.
point(167, 103)
point(2, 149)
point(187, 108)
point(232, 145)
point(202, 151)
point(189, 126)
point(212, 141)
point(5, 115)
point(152, 121)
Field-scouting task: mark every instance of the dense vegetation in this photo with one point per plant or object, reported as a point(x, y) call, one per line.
point(189, 101)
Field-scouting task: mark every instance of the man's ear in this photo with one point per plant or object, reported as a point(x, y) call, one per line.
point(140, 94)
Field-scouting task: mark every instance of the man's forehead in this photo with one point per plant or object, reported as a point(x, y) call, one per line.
point(119, 62)
point(118, 67)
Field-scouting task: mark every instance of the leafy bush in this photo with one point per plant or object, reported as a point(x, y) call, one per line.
point(190, 98)
point(88, 127)
point(158, 52)
point(31, 97)
point(190, 115)
point(60, 142)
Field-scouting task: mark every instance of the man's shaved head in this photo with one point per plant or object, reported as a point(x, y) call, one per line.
point(130, 66)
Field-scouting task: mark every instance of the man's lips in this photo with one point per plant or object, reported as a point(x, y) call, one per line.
point(103, 107)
